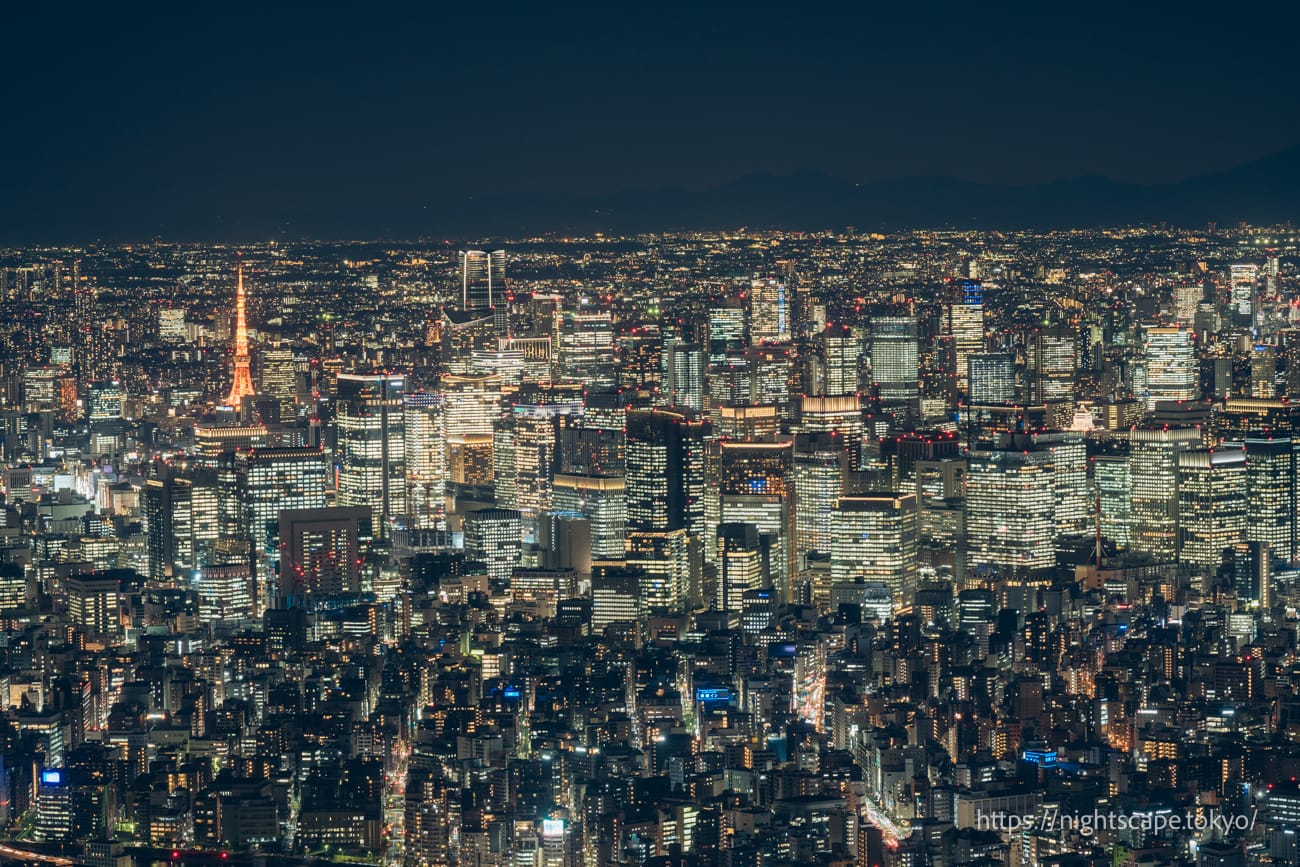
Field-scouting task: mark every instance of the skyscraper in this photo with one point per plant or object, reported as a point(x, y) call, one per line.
point(585, 348)
point(1271, 497)
point(372, 446)
point(494, 537)
point(1053, 357)
point(841, 361)
point(965, 327)
point(482, 278)
point(874, 538)
point(991, 377)
point(1211, 505)
point(242, 384)
point(1171, 364)
point(894, 359)
point(769, 311)
point(743, 564)
point(728, 330)
point(684, 375)
point(1153, 473)
point(426, 460)
point(665, 471)
point(757, 487)
point(1010, 509)
point(1242, 277)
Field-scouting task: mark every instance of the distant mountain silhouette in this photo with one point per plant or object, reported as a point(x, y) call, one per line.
point(1261, 192)
point(1265, 191)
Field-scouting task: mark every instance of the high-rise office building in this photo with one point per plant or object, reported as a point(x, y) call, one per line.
point(1242, 279)
point(602, 501)
point(1187, 296)
point(1010, 509)
point(372, 446)
point(874, 538)
point(965, 328)
point(482, 278)
point(280, 379)
point(728, 330)
point(323, 550)
point(683, 375)
point(743, 564)
point(1211, 505)
point(426, 460)
point(494, 537)
point(769, 311)
point(1271, 496)
point(535, 419)
point(894, 357)
point(585, 348)
point(665, 471)
point(1053, 355)
point(841, 416)
point(1263, 371)
point(1114, 492)
point(840, 351)
point(1172, 372)
point(662, 557)
point(269, 481)
point(991, 377)
point(1153, 474)
point(757, 487)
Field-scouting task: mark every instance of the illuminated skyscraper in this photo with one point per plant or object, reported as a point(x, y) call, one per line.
point(965, 328)
point(894, 359)
point(841, 359)
point(1171, 364)
point(372, 446)
point(242, 384)
point(1113, 486)
point(270, 481)
point(585, 348)
point(426, 460)
point(1211, 504)
point(663, 559)
point(280, 379)
point(841, 416)
point(1263, 371)
point(1242, 277)
point(1271, 499)
point(742, 564)
point(665, 471)
point(602, 501)
point(991, 377)
point(535, 420)
point(874, 538)
point(482, 278)
point(1187, 297)
point(769, 311)
point(683, 375)
point(494, 537)
point(1010, 509)
point(1153, 473)
point(728, 330)
point(757, 487)
point(1053, 359)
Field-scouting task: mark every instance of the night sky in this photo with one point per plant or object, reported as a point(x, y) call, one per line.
point(121, 117)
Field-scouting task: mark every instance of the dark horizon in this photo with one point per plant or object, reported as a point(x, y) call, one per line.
point(174, 122)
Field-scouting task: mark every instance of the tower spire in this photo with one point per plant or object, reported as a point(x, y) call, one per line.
point(243, 380)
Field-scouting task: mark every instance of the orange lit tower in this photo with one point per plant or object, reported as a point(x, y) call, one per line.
point(243, 385)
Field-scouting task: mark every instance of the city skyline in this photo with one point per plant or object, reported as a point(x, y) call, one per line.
point(672, 435)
